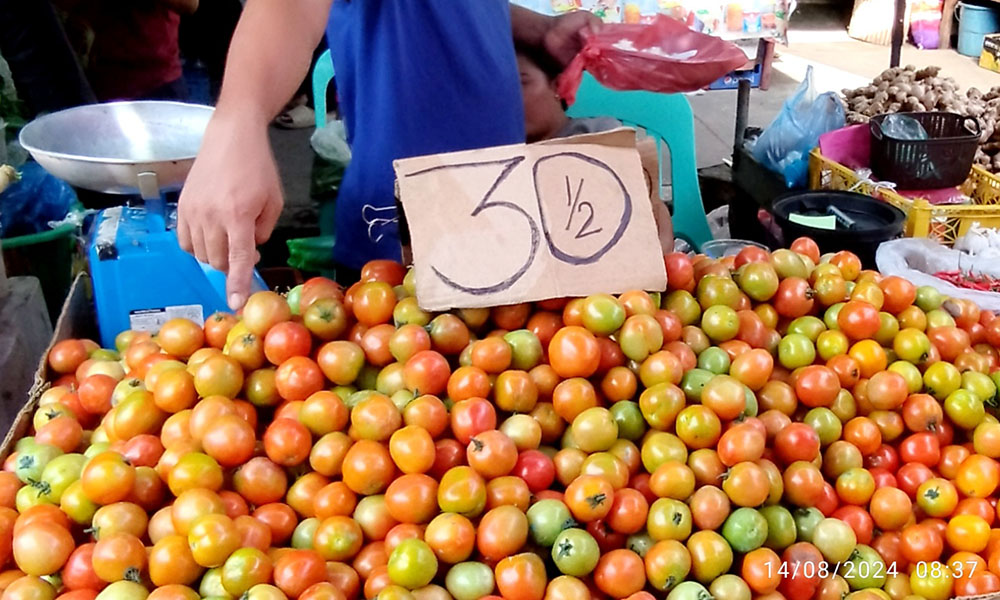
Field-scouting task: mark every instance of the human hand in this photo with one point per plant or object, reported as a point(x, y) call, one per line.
point(230, 202)
point(566, 34)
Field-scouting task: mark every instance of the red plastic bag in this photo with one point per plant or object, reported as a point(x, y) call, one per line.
point(663, 56)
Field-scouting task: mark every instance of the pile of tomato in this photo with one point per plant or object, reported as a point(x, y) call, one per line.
point(775, 425)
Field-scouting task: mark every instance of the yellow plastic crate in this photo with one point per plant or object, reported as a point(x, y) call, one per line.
point(944, 223)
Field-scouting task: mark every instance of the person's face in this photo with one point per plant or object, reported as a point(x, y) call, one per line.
point(543, 112)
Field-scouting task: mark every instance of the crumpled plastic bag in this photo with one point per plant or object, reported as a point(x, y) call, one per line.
point(917, 259)
point(903, 127)
point(330, 142)
point(28, 205)
point(785, 145)
point(662, 56)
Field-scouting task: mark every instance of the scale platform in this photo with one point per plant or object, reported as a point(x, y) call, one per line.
point(141, 276)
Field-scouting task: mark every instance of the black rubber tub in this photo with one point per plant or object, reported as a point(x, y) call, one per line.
point(874, 222)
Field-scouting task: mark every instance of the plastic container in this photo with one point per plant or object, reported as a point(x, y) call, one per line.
point(727, 247)
point(944, 223)
point(943, 160)
point(974, 23)
point(47, 255)
point(874, 222)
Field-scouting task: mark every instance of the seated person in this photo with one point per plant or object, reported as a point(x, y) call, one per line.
point(545, 118)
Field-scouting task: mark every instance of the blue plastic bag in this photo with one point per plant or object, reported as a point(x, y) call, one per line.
point(785, 145)
point(28, 205)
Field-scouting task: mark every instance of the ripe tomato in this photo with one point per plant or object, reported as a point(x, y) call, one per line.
point(797, 442)
point(471, 417)
point(298, 378)
point(368, 467)
point(42, 547)
point(574, 352)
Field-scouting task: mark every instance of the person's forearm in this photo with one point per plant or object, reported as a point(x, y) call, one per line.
point(269, 56)
point(528, 26)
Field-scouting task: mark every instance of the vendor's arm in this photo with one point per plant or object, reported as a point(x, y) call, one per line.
point(561, 36)
point(232, 198)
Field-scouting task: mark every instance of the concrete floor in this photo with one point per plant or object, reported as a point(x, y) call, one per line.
point(817, 37)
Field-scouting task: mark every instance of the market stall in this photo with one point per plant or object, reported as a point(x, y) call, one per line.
point(545, 404)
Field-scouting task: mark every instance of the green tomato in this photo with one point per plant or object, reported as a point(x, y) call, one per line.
point(60, 473)
point(640, 543)
point(304, 534)
point(789, 264)
point(211, 584)
point(547, 519)
point(865, 569)
point(124, 590)
point(941, 379)
point(526, 349)
point(826, 424)
point(914, 378)
point(469, 581)
point(745, 529)
point(981, 385)
point(928, 298)
point(720, 323)
point(694, 381)
point(29, 496)
point(244, 569)
point(806, 520)
point(689, 590)
point(390, 379)
point(640, 336)
point(729, 586)
point(714, 290)
point(831, 343)
point(758, 280)
point(796, 350)
point(964, 409)
point(811, 327)
point(684, 305)
point(294, 297)
point(834, 539)
point(887, 330)
point(602, 314)
point(660, 404)
point(831, 314)
point(401, 398)
point(939, 318)
point(628, 415)
point(575, 552)
point(714, 360)
point(752, 408)
point(412, 564)
point(32, 460)
point(781, 531)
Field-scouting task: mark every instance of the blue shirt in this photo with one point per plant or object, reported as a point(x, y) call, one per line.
point(415, 77)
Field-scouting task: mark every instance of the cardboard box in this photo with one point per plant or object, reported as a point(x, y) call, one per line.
point(990, 58)
point(76, 320)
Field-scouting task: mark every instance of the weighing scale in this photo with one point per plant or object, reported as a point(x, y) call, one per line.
point(141, 276)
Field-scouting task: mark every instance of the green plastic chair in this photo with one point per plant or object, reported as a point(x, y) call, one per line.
point(322, 75)
point(669, 119)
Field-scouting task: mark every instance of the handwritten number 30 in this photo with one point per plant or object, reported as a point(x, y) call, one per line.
point(573, 202)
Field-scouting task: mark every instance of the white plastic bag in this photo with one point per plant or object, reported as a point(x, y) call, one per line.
point(330, 142)
point(917, 259)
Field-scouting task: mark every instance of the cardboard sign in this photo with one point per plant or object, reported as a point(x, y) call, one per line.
point(524, 223)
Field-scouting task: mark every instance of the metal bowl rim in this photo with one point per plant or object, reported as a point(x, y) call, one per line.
point(33, 150)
